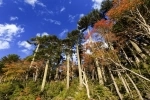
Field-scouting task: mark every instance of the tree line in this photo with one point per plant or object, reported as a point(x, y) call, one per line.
point(118, 61)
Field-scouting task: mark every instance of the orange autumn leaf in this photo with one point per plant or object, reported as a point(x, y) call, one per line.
point(121, 6)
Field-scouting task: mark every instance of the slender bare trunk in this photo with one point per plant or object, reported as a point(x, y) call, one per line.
point(45, 75)
point(36, 50)
point(36, 74)
point(85, 82)
point(93, 73)
point(99, 72)
point(125, 86)
point(128, 87)
point(56, 75)
point(126, 57)
point(115, 84)
point(117, 64)
point(68, 65)
point(137, 48)
point(139, 94)
point(79, 67)
point(103, 73)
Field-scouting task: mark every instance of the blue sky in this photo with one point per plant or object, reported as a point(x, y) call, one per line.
point(21, 20)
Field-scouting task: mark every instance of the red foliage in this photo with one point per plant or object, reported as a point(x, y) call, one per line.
point(121, 6)
point(103, 24)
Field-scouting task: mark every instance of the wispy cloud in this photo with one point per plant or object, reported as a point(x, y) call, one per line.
point(42, 34)
point(62, 9)
point(70, 2)
point(97, 4)
point(21, 9)
point(25, 44)
point(12, 18)
point(34, 2)
point(53, 21)
point(1, 2)
point(26, 47)
point(8, 32)
point(46, 11)
point(81, 15)
point(71, 18)
point(63, 33)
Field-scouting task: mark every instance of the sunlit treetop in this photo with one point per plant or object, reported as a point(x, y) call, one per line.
point(122, 6)
point(105, 24)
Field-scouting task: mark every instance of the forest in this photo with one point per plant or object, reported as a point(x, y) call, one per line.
point(107, 57)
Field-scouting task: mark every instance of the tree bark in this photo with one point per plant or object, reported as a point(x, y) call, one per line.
point(36, 50)
point(56, 75)
point(139, 94)
point(85, 82)
point(128, 87)
point(125, 86)
point(115, 84)
point(68, 65)
point(137, 48)
point(36, 74)
point(45, 75)
point(99, 72)
point(129, 70)
point(79, 67)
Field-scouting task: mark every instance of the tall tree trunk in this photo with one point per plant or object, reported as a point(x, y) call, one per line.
point(36, 74)
point(129, 70)
point(137, 48)
point(68, 65)
point(93, 73)
point(126, 57)
point(115, 84)
point(85, 82)
point(79, 67)
point(99, 72)
point(125, 86)
point(128, 87)
point(142, 22)
point(56, 75)
point(45, 75)
point(103, 74)
point(139, 94)
point(36, 50)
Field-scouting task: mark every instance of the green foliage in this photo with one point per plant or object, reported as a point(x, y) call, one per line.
point(103, 93)
point(6, 89)
point(54, 88)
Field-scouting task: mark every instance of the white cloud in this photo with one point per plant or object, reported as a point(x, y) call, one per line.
point(53, 21)
point(46, 12)
point(97, 4)
point(26, 51)
point(8, 31)
point(21, 9)
point(70, 2)
point(25, 45)
point(71, 18)
point(41, 4)
point(81, 15)
point(63, 33)
point(7, 34)
point(1, 2)
point(4, 45)
point(42, 34)
point(62, 9)
point(13, 18)
point(34, 2)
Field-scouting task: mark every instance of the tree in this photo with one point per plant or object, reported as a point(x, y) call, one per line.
point(77, 37)
point(10, 58)
point(67, 50)
point(50, 51)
